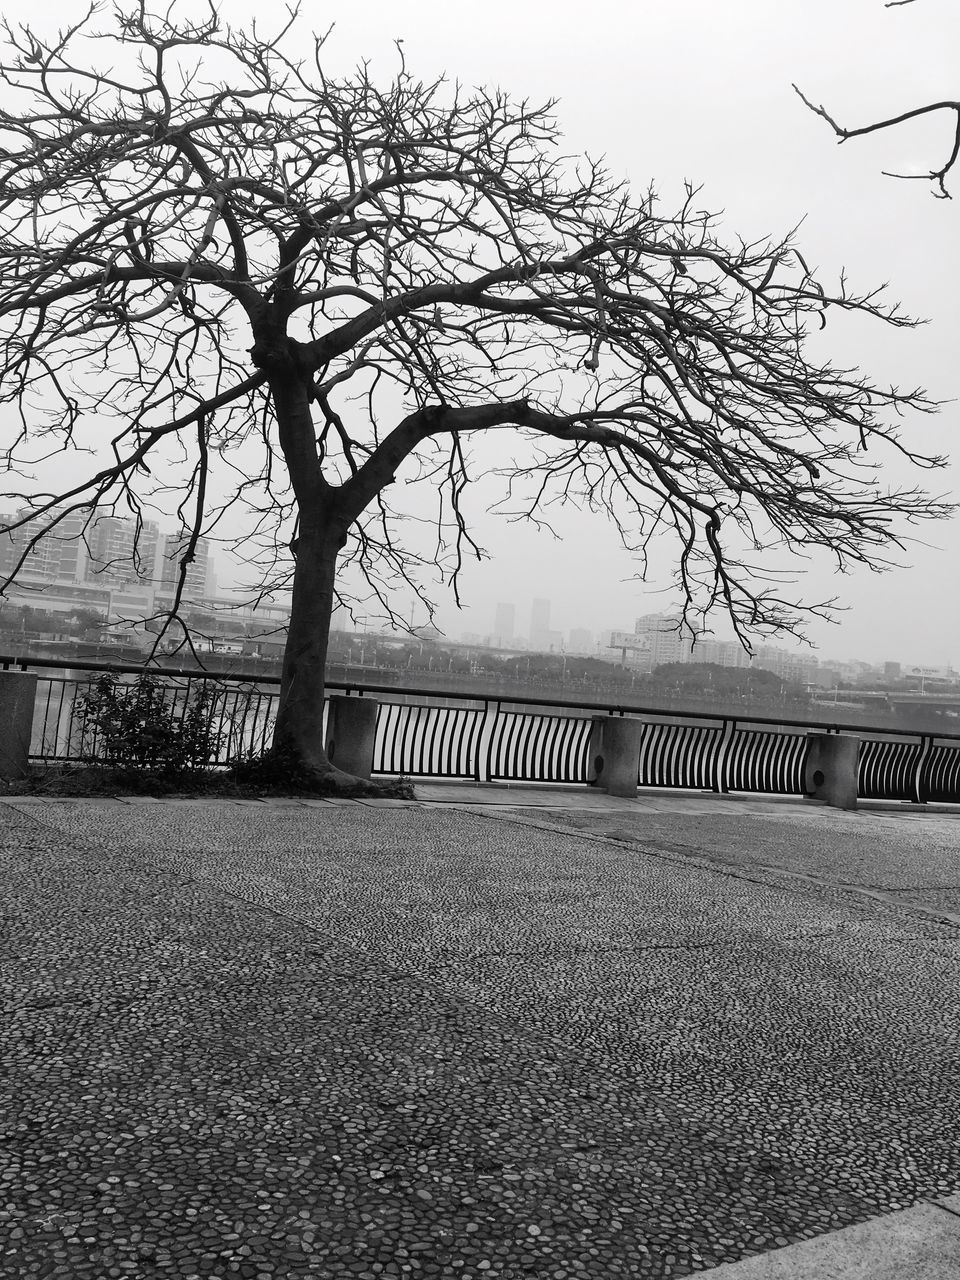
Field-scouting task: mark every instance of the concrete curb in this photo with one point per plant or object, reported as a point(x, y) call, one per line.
point(922, 1243)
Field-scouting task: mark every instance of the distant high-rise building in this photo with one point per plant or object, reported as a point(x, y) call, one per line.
point(66, 546)
point(580, 641)
point(504, 625)
point(789, 666)
point(118, 555)
point(666, 640)
point(8, 546)
point(58, 557)
point(540, 624)
point(724, 653)
point(195, 584)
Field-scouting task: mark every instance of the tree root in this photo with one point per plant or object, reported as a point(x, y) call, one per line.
point(287, 775)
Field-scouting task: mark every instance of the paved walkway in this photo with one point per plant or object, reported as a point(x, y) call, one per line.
point(553, 1036)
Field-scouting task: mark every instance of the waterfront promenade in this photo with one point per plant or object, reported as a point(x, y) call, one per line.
point(496, 1032)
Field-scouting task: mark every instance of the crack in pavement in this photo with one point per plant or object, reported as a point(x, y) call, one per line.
point(638, 948)
point(684, 854)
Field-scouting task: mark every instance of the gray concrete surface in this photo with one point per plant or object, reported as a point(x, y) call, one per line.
point(448, 1038)
point(922, 1243)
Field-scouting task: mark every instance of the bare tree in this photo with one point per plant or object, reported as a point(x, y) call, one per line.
point(210, 240)
point(949, 107)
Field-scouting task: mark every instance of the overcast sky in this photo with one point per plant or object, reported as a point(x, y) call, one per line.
point(701, 89)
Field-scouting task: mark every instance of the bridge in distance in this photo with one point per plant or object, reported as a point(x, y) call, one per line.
point(894, 699)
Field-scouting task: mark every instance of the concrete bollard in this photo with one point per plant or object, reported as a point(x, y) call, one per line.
point(618, 761)
point(351, 730)
point(595, 751)
point(830, 769)
point(18, 696)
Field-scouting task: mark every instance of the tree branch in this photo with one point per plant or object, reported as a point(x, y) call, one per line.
point(939, 176)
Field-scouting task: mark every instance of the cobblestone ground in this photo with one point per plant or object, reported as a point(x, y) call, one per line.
point(352, 1040)
point(912, 857)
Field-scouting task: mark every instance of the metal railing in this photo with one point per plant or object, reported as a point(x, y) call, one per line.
point(239, 716)
point(425, 733)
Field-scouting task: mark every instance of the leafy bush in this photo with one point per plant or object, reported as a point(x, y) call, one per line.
point(141, 725)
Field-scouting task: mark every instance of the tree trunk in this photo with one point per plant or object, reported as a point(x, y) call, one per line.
point(298, 735)
point(298, 757)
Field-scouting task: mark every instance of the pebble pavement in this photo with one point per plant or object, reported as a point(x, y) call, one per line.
point(325, 1040)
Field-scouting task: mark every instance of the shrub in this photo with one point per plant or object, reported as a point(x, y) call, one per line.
point(140, 725)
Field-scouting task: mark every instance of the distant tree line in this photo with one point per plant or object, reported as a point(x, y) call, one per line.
point(26, 620)
point(704, 682)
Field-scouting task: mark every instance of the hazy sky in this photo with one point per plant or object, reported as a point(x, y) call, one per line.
point(698, 89)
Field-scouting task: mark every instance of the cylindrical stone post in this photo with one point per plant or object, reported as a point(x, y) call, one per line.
point(830, 770)
point(595, 751)
point(18, 696)
point(619, 765)
point(351, 730)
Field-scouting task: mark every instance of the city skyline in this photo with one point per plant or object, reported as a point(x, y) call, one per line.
point(91, 564)
point(654, 640)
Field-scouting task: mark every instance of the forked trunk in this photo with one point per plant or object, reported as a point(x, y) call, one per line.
point(298, 756)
